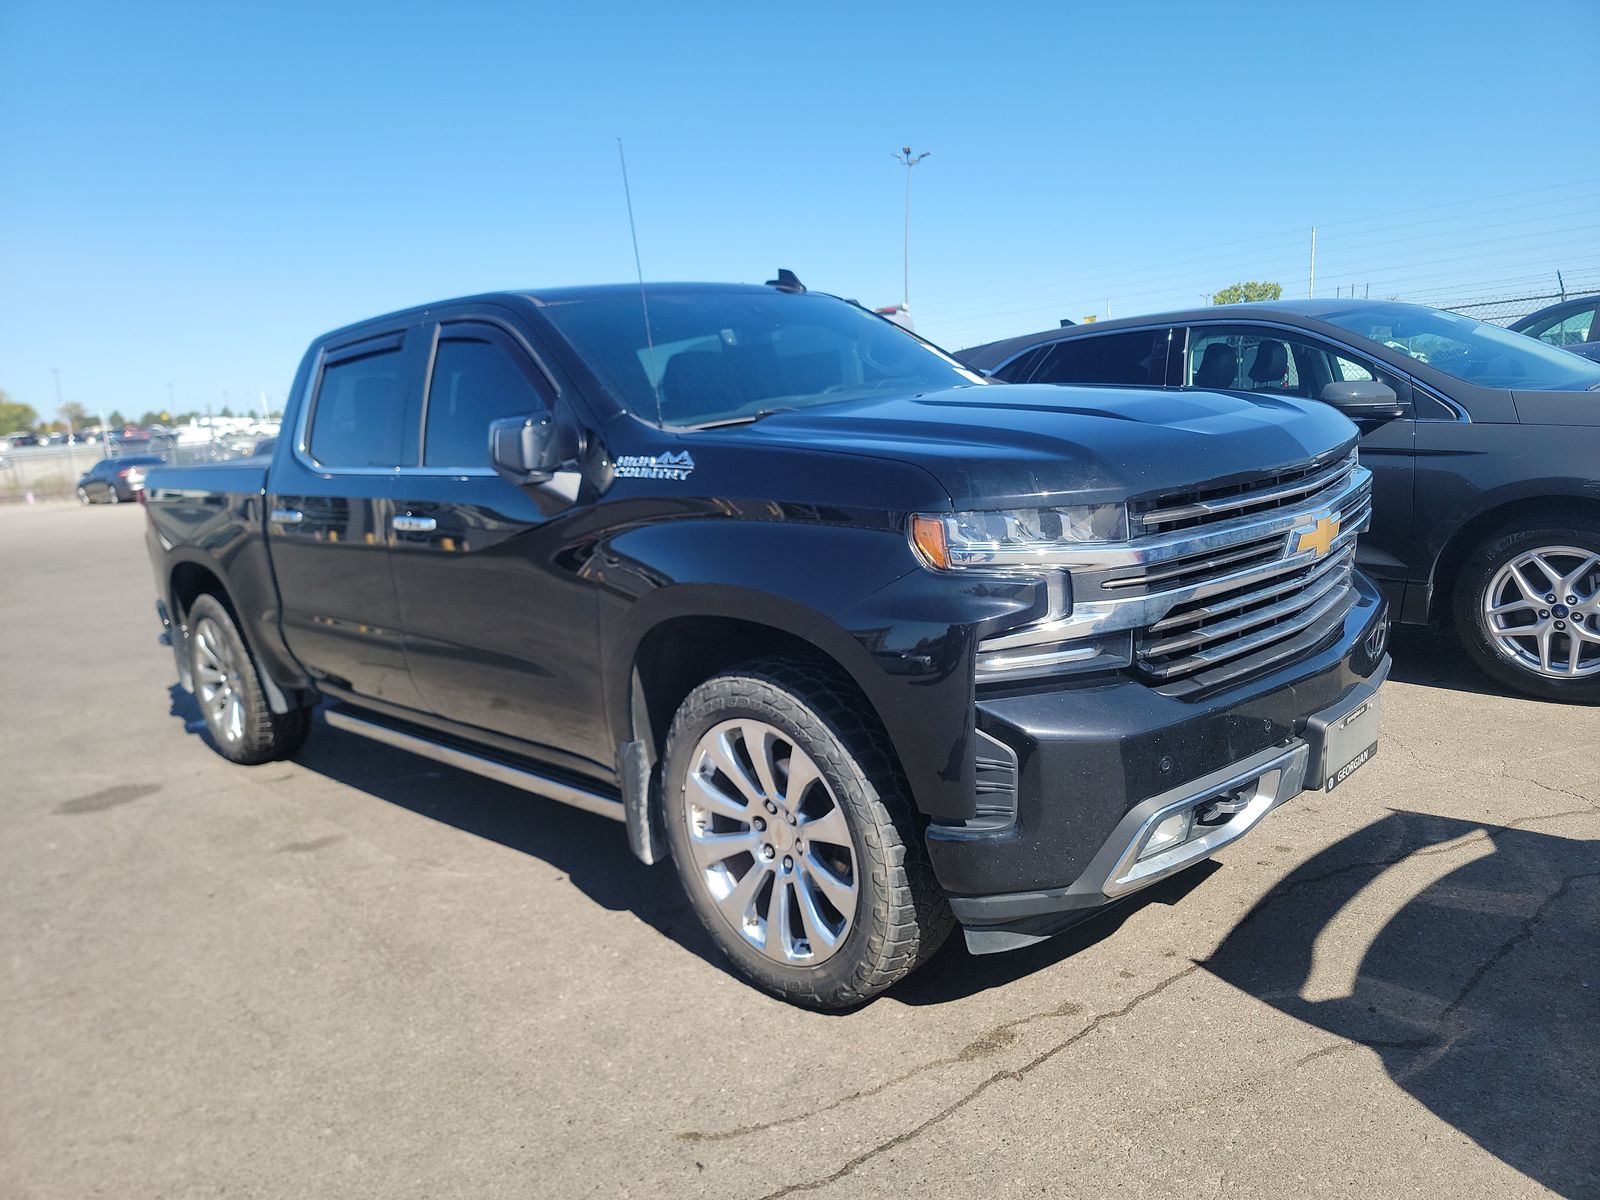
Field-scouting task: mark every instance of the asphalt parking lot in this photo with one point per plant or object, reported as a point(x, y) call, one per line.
point(363, 974)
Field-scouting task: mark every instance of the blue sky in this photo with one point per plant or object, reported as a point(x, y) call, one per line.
point(192, 192)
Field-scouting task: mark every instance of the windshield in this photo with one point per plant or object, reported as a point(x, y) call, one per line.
point(717, 356)
point(1486, 355)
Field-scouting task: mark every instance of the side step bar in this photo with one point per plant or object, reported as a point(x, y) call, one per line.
point(489, 768)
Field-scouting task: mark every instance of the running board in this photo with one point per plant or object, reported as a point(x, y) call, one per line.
point(489, 768)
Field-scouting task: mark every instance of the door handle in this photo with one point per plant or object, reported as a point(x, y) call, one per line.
point(410, 524)
point(287, 516)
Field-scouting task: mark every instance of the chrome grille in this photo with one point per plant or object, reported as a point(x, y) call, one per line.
point(1203, 506)
point(1213, 585)
point(1266, 599)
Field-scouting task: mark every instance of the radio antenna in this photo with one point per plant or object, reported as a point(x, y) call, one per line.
point(644, 302)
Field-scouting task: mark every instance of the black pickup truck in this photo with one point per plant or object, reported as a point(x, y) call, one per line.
point(867, 645)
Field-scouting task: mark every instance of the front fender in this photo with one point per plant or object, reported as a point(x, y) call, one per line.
point(904, 635)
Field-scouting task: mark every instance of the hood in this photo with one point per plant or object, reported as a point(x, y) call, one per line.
point(1021, 444)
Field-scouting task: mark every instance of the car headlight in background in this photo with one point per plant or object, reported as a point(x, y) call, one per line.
point(1027, 541)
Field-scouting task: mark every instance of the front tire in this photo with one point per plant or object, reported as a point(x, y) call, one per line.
point(1527, 609)
point(243, 727)
point(794, 837)
point(83, 497)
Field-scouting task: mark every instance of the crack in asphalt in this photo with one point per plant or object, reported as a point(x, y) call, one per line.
point(1282, 892)
point(988, 1043)
point(1550, 787)
point(1016, 1074)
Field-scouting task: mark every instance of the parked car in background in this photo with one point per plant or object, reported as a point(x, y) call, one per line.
point(20, 439)
point(1483, 444)
point(1570, 325)
point(115, 480)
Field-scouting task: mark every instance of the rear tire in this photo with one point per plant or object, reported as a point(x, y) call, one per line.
point(83, 497)
point(242, 725)
point(1527, 609)
point(821, 896)
point(111, 495)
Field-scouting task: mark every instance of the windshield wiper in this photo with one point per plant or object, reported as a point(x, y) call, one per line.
point(746, 419)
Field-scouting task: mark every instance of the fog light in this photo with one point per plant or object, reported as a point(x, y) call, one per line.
point(1170, 832)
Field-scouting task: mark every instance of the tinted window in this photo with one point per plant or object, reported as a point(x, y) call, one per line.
point(360, 411)
point(477, 378)
point(714, 355)
point(1139, 358)
point(1020, 368)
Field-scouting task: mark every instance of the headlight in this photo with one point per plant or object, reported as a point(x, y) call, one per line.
point(1017, 537)
point(1028, 540)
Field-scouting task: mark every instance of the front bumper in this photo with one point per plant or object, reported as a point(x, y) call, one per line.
point(1098, 766)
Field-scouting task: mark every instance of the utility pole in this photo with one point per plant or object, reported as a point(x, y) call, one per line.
point(910, 161)
point(1311, 287)
point(60, 404)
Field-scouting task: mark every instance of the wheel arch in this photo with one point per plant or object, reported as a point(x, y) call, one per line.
point(1508, 514)
point(188, 580)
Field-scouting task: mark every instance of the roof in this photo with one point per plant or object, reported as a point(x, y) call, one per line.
point(558, 295)
point(991, 354)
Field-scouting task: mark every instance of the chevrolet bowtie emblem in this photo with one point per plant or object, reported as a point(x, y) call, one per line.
point(1319, 538)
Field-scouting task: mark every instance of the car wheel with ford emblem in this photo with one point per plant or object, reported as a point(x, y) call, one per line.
point(1527, 607)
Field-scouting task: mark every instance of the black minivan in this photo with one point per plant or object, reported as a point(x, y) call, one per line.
point(1484, 447)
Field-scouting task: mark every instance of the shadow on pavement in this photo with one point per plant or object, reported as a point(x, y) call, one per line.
point(1434, 658)
point(591, 850)
point(1481, 995)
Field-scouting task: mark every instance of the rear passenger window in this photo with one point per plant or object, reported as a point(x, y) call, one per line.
point(1139, 358)
point(360, 411)
point(478, 378)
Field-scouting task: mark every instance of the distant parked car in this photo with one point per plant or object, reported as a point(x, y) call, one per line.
point(1570, 325)
point(21, 438)
point(114, 480)
point(1482, 443)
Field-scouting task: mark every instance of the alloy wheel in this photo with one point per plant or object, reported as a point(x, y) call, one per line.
point(1542, 611)
point(770, 842)
point(218, 683)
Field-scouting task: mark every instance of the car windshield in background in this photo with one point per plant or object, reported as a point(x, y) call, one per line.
point(717, 356)
point(1486, 355)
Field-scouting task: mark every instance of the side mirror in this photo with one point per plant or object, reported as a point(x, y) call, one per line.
point(1365, 399)
point(526, 449)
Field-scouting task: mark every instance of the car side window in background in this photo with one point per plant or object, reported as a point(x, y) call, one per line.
point(1262, 361)
point(478, 378)
point(1020, 368)
point(1569, 330)
point(360, 410)
point(1136, 357)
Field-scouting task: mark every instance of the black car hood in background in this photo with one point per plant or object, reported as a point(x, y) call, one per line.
point(1032, 445)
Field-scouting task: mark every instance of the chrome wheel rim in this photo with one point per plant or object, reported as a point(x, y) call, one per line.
point(218, 683)
point(1542, 611)
point(770, 843)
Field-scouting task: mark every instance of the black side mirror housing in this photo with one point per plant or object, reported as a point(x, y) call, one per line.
point(529, 449)
point(1365, 399)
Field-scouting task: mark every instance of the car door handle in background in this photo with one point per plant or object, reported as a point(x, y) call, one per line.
point(287, 516)
point(408, 524)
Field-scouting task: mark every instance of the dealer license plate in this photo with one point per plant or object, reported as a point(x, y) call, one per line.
point(1350, 743)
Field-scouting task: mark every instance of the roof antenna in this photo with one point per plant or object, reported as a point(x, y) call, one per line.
point(649, 341)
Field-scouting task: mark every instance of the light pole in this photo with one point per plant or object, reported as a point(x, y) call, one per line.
point(910, 161)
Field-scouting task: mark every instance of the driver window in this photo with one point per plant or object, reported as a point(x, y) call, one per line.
point(478, 377)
